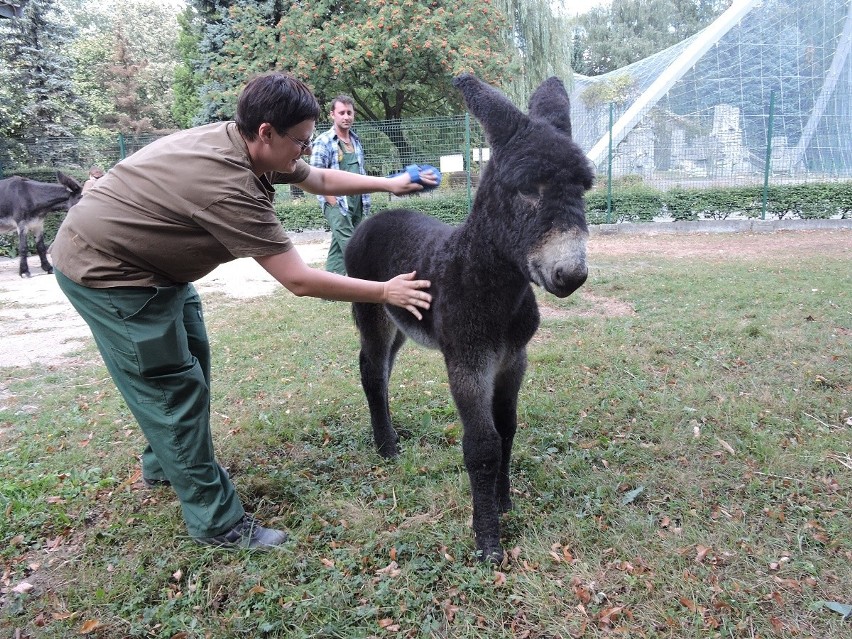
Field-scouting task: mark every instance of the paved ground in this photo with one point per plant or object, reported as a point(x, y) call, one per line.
point(38, 324)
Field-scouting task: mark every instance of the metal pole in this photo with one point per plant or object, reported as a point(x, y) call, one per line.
point(467, 161)
point(609, 168)
point(122, 149)
point(768, 155)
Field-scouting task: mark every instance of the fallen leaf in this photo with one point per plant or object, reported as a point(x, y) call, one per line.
point(688, 604)
point(23, 587)
point(386, 623)
point(89, 626)
point(391, 570)
point(726, 445)
point(499, 578)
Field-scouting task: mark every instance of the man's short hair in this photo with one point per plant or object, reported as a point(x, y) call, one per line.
point(277, 98)
point(343, 99)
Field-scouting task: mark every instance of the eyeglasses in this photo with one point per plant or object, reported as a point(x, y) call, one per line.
point(303, 144)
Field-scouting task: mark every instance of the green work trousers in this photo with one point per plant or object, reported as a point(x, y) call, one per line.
point(154, 344)
point(342, 228)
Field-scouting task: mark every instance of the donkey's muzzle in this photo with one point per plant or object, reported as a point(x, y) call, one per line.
point(558, 263)
point(566, 280)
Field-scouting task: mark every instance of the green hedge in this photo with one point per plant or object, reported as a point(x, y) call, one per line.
point(631, 202)
point(304, 213)
point(48, 174)
point(639, 203)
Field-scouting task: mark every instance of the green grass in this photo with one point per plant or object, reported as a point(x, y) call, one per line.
point(680, 471)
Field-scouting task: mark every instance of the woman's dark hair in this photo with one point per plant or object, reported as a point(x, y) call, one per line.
point(277, 98)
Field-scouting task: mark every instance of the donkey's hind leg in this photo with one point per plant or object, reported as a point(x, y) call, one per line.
point(23, 250)
point(380, 342)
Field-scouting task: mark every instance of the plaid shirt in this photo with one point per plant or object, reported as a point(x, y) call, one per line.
point(326, 154)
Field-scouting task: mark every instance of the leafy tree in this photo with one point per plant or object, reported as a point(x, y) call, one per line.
point(226, 25)
point(42, 101)
point(91, 55)
point(395, 60)
point(540, 34)
point(188, 77)
point(150, 43)
point(611, 37)
point(131, 110)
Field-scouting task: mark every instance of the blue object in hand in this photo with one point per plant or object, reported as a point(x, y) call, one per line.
point(414, 171)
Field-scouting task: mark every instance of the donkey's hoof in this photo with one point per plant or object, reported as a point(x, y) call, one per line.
point(389, 451)
point(493, 555)
point(388, 447)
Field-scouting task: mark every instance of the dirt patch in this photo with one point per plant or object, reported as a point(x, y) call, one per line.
point(39, 325)
point(724, 246)
point(594, 306)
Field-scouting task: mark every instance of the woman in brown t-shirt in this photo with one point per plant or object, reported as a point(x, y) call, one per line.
point(126, 256)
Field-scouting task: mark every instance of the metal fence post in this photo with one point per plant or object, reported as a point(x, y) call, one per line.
point(768, 155)
point(467, 160)
point(609, 168)
point(122, 149)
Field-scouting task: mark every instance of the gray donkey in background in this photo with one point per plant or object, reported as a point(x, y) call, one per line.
point(24, 205)
point(527, 225)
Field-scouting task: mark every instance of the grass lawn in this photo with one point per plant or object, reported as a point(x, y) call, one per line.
point(682, 469)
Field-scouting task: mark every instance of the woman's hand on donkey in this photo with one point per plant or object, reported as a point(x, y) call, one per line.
point(406, 292)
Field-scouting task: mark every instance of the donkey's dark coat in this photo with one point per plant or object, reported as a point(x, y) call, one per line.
point(527, 225)
point(24, 204)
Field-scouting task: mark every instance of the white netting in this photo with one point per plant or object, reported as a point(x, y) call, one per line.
point(701, 109)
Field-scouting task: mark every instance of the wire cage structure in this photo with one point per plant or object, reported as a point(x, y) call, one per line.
point(766, 88)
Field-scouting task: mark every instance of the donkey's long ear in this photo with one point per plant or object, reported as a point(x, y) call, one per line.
point(550, 102)
point(68, 182)
point(498, 116)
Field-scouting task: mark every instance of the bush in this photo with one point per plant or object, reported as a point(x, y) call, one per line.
point(304, 213)
point(48, 173)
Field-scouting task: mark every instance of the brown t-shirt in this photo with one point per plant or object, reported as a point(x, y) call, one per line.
point(172, 212)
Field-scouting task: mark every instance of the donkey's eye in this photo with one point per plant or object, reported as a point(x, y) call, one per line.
point(531, 193)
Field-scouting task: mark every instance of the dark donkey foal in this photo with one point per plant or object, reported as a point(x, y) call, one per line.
point(24, 204)
point(527, 225)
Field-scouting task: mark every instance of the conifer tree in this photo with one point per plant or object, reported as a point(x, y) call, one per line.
point(41, 99)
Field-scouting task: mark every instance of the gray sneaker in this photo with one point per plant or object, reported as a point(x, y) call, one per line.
point(246, 533)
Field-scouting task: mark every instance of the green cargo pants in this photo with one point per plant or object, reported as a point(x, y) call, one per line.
point(154, 344)
point(342, 227)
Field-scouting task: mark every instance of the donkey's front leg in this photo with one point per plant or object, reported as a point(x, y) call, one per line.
point(41, 249)
point(505, 413)
point(482, 447)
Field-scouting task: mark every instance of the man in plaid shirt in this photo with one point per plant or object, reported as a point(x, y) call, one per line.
point(340, 148)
